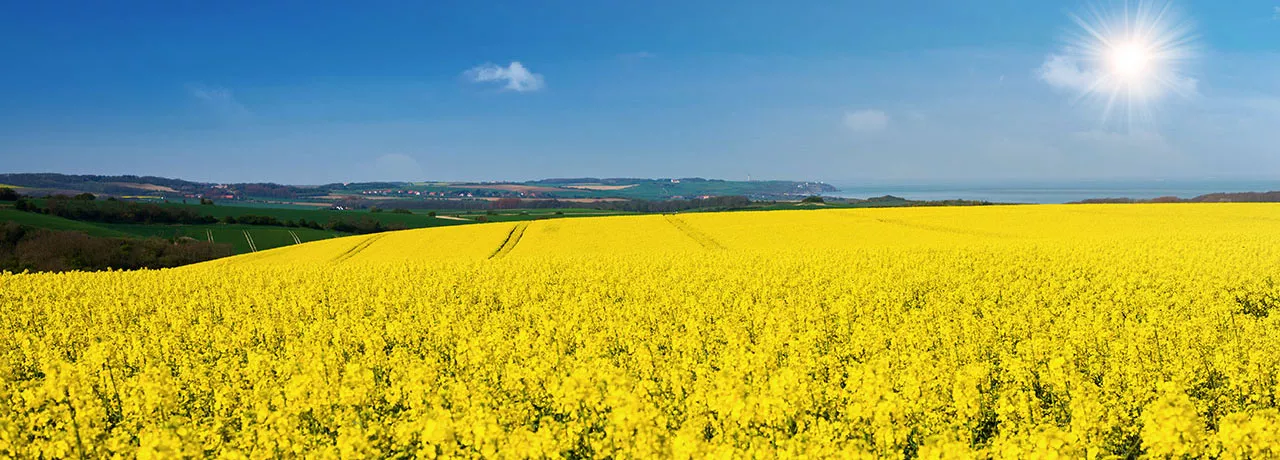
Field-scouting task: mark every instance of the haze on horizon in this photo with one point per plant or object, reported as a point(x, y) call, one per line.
point(990, 90)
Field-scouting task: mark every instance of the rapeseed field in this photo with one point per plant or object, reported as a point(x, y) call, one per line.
point(1094, 331)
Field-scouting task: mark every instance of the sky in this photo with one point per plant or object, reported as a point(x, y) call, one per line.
point(844, 92)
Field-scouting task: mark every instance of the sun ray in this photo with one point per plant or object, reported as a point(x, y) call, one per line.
point(1133, 54)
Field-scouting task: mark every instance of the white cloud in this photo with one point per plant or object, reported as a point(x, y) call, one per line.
point(1065, 73)
point(1276, 16)
point(218, 99)
point(517, 77)
point(866, 121)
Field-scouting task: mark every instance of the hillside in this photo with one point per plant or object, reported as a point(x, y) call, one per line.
point(445, 195)
point(767, 231)
point(974, 332)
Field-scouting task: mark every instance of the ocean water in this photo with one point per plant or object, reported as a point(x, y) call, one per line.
point(1054, 192)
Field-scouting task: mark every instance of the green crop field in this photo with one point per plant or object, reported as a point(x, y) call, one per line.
point(57, 223)
point(318, 215)
point(263, 237)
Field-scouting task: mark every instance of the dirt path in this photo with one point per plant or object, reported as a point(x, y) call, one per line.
point(703, 239)
point(453, 218)
point(510, 243)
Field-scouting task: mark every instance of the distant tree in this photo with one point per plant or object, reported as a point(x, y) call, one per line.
point(431, 214)
point(812, 199)
point(507, 203)
point(86, 197)
point(401, 211)
point(482, 218)
point(228, 220)
point(375, 209)
point(8, 194)
point(28, 248)
point(206, 201)
point(24, 204)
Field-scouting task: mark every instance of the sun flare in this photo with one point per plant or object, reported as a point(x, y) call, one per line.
point(1129, 61)
point(1131, 56)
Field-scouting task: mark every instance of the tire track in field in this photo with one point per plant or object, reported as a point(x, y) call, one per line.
point(510, 243)
point(703, 239)
point(361, 246)
point(944, 229)
point(252, 247)
point(295, 237)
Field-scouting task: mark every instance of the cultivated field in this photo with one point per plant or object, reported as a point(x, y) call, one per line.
point(1007, 332)
point(262, 237)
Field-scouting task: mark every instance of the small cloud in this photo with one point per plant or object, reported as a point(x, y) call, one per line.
point(1275, 15)
point(1065, 73)
point(517, 77)
point(218, 99)
point(866, 121)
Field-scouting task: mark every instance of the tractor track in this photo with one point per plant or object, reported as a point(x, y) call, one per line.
point(513, 238)
point(361, 246)
point(703, 239)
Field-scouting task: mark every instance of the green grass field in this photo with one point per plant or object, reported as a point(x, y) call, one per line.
point(268, 237)
point(319, 215)
point(263, 237)
point(57, 223)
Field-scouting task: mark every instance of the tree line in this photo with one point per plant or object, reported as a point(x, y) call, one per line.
point(24, 248)
point(86, 207)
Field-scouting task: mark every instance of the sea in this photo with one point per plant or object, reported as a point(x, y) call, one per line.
point(1053, 192)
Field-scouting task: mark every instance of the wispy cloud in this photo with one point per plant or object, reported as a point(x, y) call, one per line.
point(517, 77)
point(866, 121)
point(1275, 14)
point(636, 56)
point(218, 99)
point(1063, 72)
point(1066, 73)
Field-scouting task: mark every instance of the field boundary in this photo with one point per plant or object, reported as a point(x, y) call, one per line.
point(703, 239)
point(361, 246)
point(513, 238)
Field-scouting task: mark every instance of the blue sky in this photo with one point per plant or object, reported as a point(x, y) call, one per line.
point(852, 91)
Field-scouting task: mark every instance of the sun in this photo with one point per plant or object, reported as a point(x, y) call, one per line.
point(1129, 61)
point(1130, 56)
